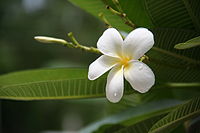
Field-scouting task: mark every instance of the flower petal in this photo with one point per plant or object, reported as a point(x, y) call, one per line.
point(110, 43)
point(137, 43)
point(115, 84)
point(140, 76)
point(100, 66)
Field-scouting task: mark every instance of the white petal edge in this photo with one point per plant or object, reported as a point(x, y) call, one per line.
point(110, 43)
point(137, 43)
point(115, 84)
point(140, 76)
point(100, 66)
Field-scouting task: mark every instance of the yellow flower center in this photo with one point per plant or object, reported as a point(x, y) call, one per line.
point(124, 61)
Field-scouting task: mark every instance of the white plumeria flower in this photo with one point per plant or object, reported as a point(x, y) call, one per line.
point(122, 57)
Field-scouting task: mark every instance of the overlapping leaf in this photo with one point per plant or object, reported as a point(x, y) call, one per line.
point(181, 114)
point(133, 115)
point(141, 127)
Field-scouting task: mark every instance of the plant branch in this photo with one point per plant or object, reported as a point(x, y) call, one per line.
point(103, 18)
point(73, 44)
point(121, 13)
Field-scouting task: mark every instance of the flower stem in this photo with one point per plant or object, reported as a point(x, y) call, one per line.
point(82, 47)
point(73, 44)
point(121, 13)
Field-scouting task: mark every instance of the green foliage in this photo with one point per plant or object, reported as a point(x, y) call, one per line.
point(188, 44)
point(172, 22)
point(132, 115)
point(137, 12)
point(95, 7)
point(141, 127)
point(50, 84)
point(184, 112)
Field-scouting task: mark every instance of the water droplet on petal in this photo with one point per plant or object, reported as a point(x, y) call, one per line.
point(115, 94)
point(141, 67)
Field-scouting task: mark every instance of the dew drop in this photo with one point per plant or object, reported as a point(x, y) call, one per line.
point(140, 67)
point(115, 94)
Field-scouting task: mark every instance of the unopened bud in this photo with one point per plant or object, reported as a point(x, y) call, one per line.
point(45, 39)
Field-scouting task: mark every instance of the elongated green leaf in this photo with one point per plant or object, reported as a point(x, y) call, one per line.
point(181, 114)
point(179, 14)
point(189, 44)
point(134, 115)
point(55, 84)
point(50, 84)
point(141, 127)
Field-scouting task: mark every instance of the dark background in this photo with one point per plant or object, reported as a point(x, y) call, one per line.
point(20, 21)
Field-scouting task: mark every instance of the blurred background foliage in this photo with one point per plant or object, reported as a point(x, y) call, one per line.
point(20, 21)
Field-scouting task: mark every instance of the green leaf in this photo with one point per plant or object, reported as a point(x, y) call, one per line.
point(179, 115)
point(141, 127)
point(189, 44)
point(95, 7)
point(63, 83)
point(134, 115)
point(136, 11)
point(169, 64)
point(50, 84)
point(181, 14)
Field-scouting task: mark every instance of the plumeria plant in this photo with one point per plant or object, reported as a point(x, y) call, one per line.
point(158, 58)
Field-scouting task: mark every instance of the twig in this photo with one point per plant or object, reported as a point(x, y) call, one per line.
point(73, 44)
point(103, 18)
point(121, 13)
point(82, 47)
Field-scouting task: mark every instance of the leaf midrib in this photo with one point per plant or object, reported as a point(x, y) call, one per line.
point(51, 98)
point(45, 81)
